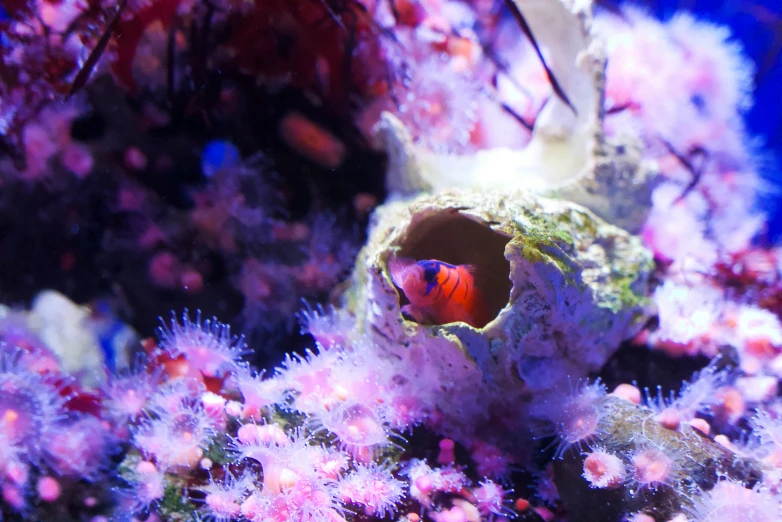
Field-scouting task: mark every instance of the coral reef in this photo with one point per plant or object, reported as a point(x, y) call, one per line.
point(489, 260)
point(664, 468)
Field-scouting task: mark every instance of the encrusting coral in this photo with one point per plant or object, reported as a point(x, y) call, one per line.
point(664, 467)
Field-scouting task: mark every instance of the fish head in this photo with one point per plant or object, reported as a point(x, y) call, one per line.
point(422, 283)
point(417, 279)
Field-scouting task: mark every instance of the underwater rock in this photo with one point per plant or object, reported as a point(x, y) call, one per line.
point(84, 342)
point(614, 181)
point(697, 463)
point(562, 289)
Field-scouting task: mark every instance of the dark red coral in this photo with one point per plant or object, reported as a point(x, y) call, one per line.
point(332, 46)
point(128, 33)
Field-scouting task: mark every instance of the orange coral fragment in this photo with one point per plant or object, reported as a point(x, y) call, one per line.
point(312, 141)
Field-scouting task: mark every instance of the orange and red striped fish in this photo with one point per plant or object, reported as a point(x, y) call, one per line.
point(439, 292)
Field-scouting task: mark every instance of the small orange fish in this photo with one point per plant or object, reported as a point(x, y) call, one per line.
point(439, 292)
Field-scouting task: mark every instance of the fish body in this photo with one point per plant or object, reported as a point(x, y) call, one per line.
point(439, 292)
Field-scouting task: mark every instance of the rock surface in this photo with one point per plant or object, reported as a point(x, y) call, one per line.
point(563, 288)
point(701, 462)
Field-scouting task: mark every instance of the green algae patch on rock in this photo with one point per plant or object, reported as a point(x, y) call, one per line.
point(563, 289)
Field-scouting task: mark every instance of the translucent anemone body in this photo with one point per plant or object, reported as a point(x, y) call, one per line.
point(729, 501)
point(359, 429)
point(79, 447)
point(575, 415)
point(374, 488)
point(178, 428)
point(207, 346)
point(29, 407)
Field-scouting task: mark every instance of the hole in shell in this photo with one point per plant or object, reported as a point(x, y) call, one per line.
point(460, 240)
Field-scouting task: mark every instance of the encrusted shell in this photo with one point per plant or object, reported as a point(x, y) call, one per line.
point(564, 289)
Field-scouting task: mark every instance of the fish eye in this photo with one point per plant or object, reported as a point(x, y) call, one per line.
point(430, 272)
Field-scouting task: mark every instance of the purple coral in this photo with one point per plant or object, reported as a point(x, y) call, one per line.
point(574, 415)
point(491, 500)
point(603, 469)
point(294, 485)
point(327, 326)
point(30, 407)
point(695, 397)
point(652, 466)
point(728, 501)
point(359, 429)
point(80, 447)
point(374, 488)
point(127, 393)
point(207, 346)
point(177, 428)
point(224, 498)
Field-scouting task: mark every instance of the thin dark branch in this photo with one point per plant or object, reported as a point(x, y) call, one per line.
point(503, 68)
point(350, 46)
point(210, 11)
point(616, 109)
point(524, 123)
point(170, 62)
point(507, 108)
point(390, 81)
point(334, 16)
point(611, 7)
point(771, 57)
point(697, 172)
point(394, 10)
point(92, 60)
point(525, 28)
